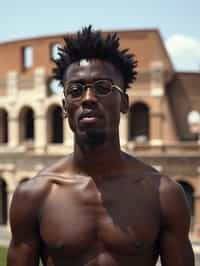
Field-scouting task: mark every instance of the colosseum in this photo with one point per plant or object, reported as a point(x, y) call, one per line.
point(162, 126)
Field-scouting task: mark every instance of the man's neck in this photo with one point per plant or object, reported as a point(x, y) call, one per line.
point(101, 161)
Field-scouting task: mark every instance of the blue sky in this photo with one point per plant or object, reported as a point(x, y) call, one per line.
point(178, 21)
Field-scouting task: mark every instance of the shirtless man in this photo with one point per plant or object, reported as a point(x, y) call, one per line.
point(99, 205)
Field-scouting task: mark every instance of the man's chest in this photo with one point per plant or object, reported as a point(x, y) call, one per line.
point(80, 219)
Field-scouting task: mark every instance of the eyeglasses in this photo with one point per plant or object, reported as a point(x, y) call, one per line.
point(75, 91)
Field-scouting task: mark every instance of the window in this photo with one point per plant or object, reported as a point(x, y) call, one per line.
point(55, 124)
point(26, 120)
point(55, 88)
point(3, 202)
point(139, 122)
point(54, 50)
point(3, 126)
point(27, 57)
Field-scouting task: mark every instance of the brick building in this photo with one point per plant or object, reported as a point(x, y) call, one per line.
point(156, 129)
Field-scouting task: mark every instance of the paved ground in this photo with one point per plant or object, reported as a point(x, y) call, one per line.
point(5, 238)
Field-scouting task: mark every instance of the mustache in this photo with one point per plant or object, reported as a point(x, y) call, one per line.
point(89, 113)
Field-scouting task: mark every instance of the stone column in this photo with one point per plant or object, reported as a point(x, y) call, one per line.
point(40, 85)
point(40, 133)
point(40, 127)
point(12, 84)
point(13, 130)
point(157, 89)
point(68, 135)
point(9, 174)
point(123, 130)
point(156, 128)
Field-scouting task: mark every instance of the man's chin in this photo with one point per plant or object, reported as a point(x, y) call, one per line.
point(92, 137)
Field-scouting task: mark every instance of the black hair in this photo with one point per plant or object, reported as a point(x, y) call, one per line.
point(90, 44)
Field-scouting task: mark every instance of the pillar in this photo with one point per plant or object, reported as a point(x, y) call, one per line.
point(40, 127)
point(123, 130)
point(40, 85)
point(12, 84)
point(68, 135)
point(13, 130)
point(40, 133)
point(157, 90)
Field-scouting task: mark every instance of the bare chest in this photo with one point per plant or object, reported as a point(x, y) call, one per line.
point(90, 222)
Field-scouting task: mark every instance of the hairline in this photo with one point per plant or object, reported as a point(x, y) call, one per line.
point(117, 72)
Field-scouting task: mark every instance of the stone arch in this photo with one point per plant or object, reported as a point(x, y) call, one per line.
point(3, 126)
point(139, 122)
point(55, 124)
point(3, 202)
point(189, 193)
point(26, 123)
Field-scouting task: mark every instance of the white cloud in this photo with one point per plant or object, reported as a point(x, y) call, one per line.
point(185, 52)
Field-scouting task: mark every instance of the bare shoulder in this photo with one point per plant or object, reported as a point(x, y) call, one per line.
point(61, 167)
point(29, 195)
point(37, 188)
point(141, 169)
point(174, 208)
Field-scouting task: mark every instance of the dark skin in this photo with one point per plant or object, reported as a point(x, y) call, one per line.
point(99, 206)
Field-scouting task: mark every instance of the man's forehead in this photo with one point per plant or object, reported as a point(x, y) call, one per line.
point(91, 69)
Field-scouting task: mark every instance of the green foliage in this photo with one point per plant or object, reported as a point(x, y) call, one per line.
point(3, 255)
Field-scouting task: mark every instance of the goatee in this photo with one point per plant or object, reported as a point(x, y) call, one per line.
point(92, 138)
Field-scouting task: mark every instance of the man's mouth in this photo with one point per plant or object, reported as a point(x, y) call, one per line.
point(89, 117)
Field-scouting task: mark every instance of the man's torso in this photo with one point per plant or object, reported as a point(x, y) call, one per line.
point(112, 222)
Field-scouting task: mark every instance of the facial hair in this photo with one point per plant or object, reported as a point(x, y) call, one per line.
point(92, 138)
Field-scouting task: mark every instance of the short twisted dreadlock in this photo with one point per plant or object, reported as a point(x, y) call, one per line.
point(90, 44)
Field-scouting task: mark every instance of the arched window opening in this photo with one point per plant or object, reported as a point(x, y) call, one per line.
point(3, 126)
point(55, 125)
point(24, 179)
point(139, 122)
point(189, 193)
point(55, 88)
point(55, 51)
point(27, 124)
point(27, 57)
point(3, 202)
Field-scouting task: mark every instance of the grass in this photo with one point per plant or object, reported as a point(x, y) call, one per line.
point(3, 255)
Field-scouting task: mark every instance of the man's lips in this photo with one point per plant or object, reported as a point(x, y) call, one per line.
point(89, 117)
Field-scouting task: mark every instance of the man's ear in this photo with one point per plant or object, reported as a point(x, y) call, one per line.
point(64, 105)
point(124, 103)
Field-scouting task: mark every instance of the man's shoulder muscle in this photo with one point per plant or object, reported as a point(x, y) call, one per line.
point(27, 199)
point(174, 208)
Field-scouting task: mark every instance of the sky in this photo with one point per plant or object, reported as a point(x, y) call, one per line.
point(178, 21)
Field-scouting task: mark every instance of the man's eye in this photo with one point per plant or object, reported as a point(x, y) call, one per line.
point(75, 91)
point(102, 88)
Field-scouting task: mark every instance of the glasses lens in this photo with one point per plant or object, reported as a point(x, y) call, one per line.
point(102, 87)
point(75, 90)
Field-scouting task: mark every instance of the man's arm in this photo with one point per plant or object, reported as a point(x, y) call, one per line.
point(175, 247)
point(24, 246)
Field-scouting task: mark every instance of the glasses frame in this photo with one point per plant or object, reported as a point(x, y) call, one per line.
point(91, 85)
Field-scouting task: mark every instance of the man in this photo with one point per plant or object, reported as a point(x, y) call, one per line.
point(99, 205)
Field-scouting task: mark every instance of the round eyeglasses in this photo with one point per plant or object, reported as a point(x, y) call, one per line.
point(75, 90)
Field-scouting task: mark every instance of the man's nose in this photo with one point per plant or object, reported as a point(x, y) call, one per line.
point(89, 97)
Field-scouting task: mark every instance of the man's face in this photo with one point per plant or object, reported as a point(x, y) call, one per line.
point(93, 115)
